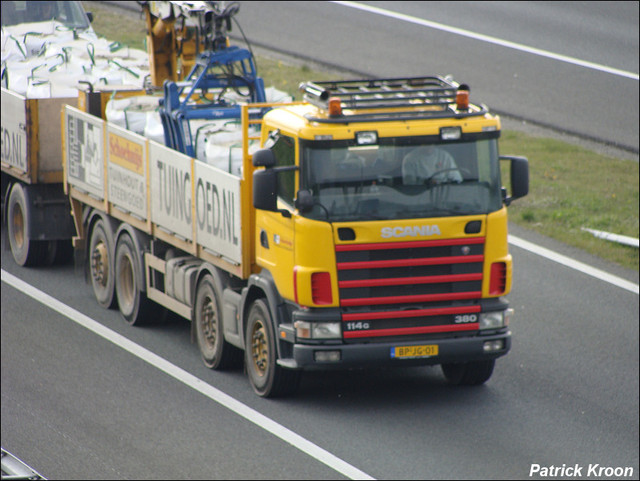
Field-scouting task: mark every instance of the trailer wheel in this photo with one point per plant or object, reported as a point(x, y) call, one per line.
point(266, 377)
point(101, 266)
point(469, 373)
point(133, 303)
point(216, 353)
point(26, 252)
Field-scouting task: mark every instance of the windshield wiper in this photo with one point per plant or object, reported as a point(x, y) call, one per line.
point(451, 182)
point(357, 216)
point(437, 211)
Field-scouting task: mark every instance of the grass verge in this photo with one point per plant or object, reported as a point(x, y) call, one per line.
point(570, 187)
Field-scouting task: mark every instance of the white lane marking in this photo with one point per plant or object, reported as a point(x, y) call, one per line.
point(190, 380)
point(573, 264)
point(489, 39)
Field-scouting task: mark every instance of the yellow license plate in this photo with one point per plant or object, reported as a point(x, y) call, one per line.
point(414, 351)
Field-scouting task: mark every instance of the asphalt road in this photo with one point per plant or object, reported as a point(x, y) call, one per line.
point(568, 66)
point(523, 78)
point(77, 406)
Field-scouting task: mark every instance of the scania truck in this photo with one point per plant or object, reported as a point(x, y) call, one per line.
point(366, 227)
point(363, 226)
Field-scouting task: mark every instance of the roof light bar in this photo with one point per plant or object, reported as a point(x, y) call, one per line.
point(462, 97)
point(335, 107)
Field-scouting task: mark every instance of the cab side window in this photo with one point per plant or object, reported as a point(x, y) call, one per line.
point(285, 153)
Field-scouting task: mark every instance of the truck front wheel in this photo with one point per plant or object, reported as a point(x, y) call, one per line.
point(469, 373)
point(266, 377)
point(215, 351)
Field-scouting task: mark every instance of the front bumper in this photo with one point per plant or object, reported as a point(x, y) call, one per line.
point(452, 350)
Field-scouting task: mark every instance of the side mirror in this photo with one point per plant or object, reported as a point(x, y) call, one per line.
point(265, 182)
point(304, 201)
point(519, 177)
point(264, 158)
point(265, 186)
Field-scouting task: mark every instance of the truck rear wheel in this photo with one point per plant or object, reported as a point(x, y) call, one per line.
point(133, 303)
point(469, 373)
point(101, 266)
point(266, 377)
point(26, 252)
point(215, 351)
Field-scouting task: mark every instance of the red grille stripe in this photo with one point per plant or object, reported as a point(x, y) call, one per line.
point(409, 245)
point(371, 301)
point(474, 326)
point(399, 281)
point(427, 261)
point(440, 311)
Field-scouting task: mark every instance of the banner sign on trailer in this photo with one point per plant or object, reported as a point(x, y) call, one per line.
point(171, 187)
point(14, 130)
point(184, 191)
point(127, 158)
point(215, 193)
point(85, 152)
point(217, 198)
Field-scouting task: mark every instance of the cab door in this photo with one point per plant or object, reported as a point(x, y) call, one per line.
point(275, 230)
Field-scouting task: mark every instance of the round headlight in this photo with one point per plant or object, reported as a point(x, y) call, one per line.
point(492, 320)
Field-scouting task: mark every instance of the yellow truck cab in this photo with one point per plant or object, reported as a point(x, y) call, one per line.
point(381, 227)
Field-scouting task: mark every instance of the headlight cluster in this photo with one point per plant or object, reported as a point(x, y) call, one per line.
point(318, 330)
point(495, 319)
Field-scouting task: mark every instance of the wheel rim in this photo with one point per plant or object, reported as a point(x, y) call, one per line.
point(17, 220)
point(125, 275)
point(100, 264)
point(208, 322)
point(259, 348)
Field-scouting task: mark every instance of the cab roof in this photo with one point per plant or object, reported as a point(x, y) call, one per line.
point(394, 107)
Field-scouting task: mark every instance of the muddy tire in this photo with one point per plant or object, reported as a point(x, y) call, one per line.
point(135, 307)
point(216, 353)
point(26, 252)
point(266, 377)
point(101, 269)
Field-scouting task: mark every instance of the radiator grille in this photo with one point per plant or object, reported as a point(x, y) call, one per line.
point(417, 288)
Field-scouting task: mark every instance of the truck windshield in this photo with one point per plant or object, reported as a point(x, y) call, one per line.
point(402, 177)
